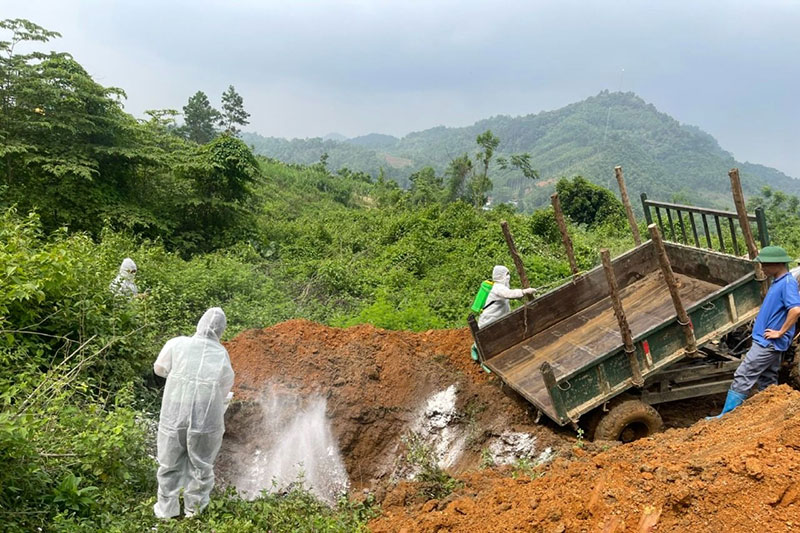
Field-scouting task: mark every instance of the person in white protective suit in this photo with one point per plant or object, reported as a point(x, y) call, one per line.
point(199, 380)
point(497, 303)
point(124, 284)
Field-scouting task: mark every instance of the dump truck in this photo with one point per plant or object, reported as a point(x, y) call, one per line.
point(564, 351)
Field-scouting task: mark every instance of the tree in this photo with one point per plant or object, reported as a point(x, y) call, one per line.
point(67, 150)
point(426, 187)
point(480, 185)
point(587, 203)
point(233, 112)
point(470, 181)
point(458, 172)
point(199, 119)
point(521, 162)
point(216, 214)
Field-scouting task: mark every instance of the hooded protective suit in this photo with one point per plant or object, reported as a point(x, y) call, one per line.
point(191, 425)
point(123, 284)
point(497, 304)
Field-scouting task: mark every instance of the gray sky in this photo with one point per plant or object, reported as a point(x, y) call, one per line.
point(307, 68)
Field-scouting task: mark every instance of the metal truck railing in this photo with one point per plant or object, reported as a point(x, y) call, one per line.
point(684, 213)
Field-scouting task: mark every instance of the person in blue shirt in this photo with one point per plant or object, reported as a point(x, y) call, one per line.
point(773, 330)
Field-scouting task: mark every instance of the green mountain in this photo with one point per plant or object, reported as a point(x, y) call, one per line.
point(660, 156)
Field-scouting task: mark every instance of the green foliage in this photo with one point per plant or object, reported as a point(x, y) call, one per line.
point(586, 203)
point(579, 442)
point(433, 482)
point(524, 466)
point(294, 512)
point(457, 173)
point(217, 213)
point(426, 187)
point(71, 459)
point(69, 152)
point(200, 118)
point(589, 138)
point(487, 461)
point(233, 114)
point(543, 224)
point(783, 218)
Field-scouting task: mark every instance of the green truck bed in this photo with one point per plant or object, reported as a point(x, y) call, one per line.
point(573, 332)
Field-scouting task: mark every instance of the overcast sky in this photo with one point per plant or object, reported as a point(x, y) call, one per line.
point(308, 68)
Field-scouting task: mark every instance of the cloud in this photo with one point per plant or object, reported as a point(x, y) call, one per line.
point(306, 68)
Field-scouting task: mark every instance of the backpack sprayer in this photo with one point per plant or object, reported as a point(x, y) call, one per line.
point(480, 298)
point(479, 303)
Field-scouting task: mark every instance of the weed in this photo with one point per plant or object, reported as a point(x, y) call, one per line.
point(524, 466)
point(487, 461)
point(579, 443)
point(472, 409)
point(434, 482)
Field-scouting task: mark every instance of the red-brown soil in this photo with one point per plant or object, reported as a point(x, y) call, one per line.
point(739, 474)
point(375, 383)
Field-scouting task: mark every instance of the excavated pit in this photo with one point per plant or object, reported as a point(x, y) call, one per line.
point(334, 408)
point(377, 386)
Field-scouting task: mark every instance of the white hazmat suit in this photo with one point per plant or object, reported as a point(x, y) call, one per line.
point(123, 284)
point(192, 422)
point(497, 305)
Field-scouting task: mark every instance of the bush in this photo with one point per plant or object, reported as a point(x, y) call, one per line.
point(543, 224)
point(587, 203)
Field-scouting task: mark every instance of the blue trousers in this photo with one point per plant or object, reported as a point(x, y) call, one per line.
point(758, 368)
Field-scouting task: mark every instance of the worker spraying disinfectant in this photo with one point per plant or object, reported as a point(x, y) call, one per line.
point(192, 422)
point(496, 303)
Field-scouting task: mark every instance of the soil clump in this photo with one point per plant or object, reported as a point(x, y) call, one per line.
point(739, 473)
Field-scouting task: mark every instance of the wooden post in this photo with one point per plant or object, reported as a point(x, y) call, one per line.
point(562, 226)
point(551, 385)
point(672, 285)
point(623, 191)
point(512, 248)
point(738, 201)
point(741, 210)
point(624, 328)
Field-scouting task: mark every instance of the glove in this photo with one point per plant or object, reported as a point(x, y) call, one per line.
point(530, 291)
point(228, 399)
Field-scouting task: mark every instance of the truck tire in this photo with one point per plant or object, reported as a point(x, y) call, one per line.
point(628, 420)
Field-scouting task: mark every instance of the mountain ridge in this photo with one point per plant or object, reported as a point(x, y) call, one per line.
point(661, 156)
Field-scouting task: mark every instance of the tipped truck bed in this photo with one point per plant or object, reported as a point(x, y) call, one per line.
point(573, 328)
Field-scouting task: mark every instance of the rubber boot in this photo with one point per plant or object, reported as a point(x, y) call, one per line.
point(732, 401)
point(474, 353)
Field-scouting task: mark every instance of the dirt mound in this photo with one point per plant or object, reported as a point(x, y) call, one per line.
point(377, 385)
point(740, 473)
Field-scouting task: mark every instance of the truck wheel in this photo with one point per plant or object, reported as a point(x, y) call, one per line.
point(627, 421)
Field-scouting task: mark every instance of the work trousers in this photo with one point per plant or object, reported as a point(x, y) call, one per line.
point(186, 461)
point(758, 368)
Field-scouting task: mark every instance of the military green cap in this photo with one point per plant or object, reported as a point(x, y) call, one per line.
point(773, 254)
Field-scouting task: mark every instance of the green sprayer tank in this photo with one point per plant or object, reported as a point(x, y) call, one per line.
point(480, 298)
